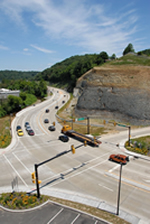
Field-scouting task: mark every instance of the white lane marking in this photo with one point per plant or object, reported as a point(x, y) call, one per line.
point(55, 216)
point(148, 181)
point(15, 170)
point(75, 219)
point(118, 165)
point(78, 173)
point(21, 162)
point(105, 187)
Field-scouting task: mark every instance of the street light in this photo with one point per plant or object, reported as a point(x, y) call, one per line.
point(119, 189)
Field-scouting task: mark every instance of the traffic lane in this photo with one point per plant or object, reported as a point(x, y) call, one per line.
point(49, 213)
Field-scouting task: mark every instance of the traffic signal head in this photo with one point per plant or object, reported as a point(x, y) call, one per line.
point(54, 123)
point(33, 181)
point(85, 143)
point(33, 176)
point(73, 149)
point(104, 122)
point(114, 123)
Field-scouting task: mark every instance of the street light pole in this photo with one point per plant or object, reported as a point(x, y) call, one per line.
point(119, 188)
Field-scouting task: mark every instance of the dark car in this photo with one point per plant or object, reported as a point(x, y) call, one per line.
point(56, 107)
point(64, 138)
point(47, 110)
point(46, 121)
point(18, 127)
point(51, 128)
point(119, 158)
point(26, 123)
point(31, 132)
point(63, 101)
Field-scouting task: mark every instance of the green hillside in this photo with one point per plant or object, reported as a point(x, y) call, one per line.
point(15, 75)
point(66, 73)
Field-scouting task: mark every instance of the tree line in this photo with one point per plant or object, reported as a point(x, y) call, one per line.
point(29, 92)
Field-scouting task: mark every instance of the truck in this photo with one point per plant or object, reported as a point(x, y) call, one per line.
point(66, 129)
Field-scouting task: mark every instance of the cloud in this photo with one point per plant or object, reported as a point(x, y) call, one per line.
point(42, 49)
point(25, 49)
point(87, 25)
point(3, 48)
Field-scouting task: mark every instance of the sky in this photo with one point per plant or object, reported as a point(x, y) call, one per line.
point(36, 34)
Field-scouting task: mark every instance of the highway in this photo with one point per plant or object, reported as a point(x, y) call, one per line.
point(87, 172)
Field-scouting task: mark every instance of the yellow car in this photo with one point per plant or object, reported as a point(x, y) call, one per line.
point(20, 132)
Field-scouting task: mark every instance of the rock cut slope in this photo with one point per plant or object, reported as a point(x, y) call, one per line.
point(120, 92)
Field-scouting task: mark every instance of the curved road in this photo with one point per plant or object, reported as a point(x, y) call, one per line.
point(87, 172)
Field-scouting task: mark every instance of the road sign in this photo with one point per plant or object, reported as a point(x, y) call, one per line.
point(81, 119)
point(122, 125)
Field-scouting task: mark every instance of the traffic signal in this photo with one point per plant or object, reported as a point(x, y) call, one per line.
point(54, 123)
point(114, 123)
point(73, 149)
point(39, 181)
point(94, 139)
point(33, 177)
point(85, 143)
point(104, 122)
point(73, 119)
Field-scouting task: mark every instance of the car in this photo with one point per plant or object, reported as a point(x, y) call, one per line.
point(51, 128)
point(63, 138)
point(63, 101)
point(46, 120)
point(31, 132)
point(47, 110)
point(56, 107)
point(26, 123)
point(18, 127)
point(119, 158)
point(20, 132)
point(28, 128)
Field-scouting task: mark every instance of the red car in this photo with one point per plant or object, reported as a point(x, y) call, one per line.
point(30, 132)
point(119, 158)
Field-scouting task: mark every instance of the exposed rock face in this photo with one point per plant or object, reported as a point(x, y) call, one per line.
point(121, 93)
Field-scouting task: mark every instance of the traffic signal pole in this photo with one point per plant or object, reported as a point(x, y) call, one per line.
point(46, 161)
point(37, 182)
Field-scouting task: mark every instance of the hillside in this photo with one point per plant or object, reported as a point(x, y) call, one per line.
point(15, 75)
point(117, 90)
point(65, 74)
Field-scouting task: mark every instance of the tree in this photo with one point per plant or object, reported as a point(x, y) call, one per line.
point(113, 57)
point(103, 55)
point(128, 49)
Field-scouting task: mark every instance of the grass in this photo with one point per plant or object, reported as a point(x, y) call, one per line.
point(139, 145)
point(130, 59)
point(22, 200)
point(5, 134)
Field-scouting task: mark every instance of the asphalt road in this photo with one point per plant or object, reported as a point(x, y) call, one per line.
point(48, 214)
point(87, 172)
